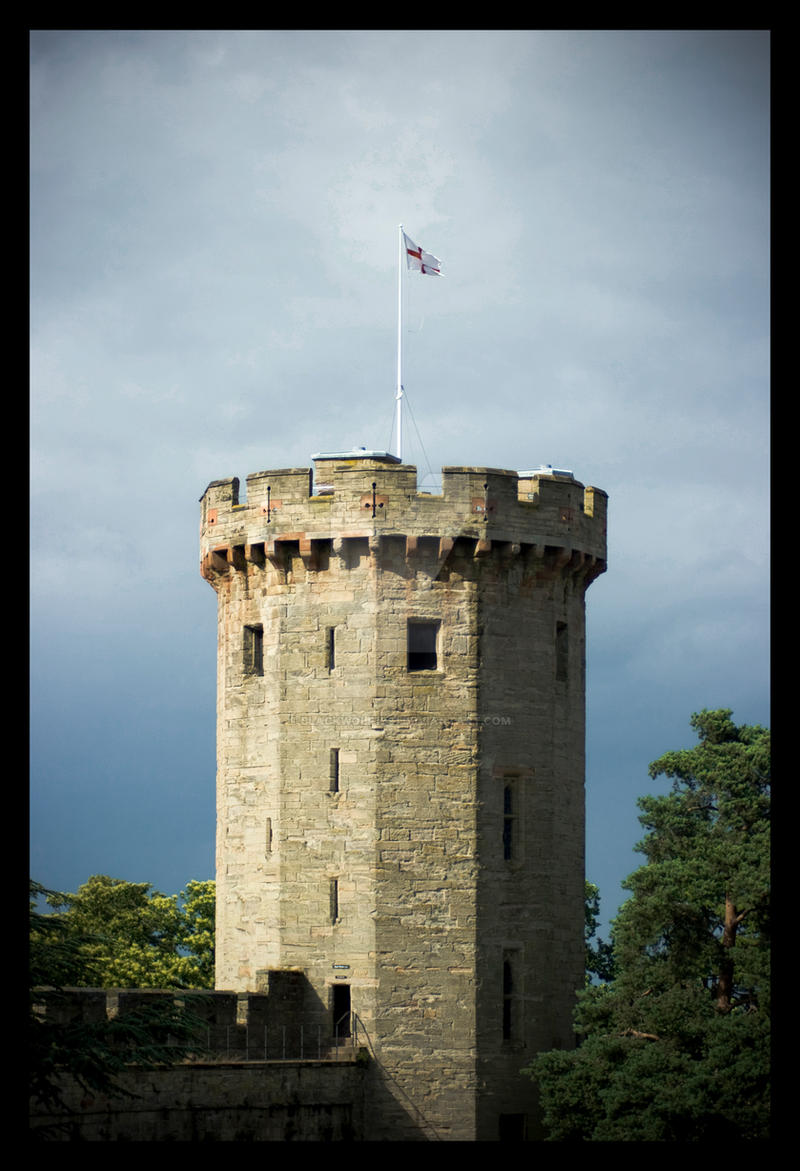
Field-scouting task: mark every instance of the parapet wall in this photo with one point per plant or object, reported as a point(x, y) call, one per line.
point(290, 1095)
point(276, 1024)
point(280, 1102)
point(372, 498)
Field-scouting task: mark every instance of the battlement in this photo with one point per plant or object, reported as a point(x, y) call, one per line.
point(371, 495)
point(247, 1067)
point(400, 783)
point(277, 1023)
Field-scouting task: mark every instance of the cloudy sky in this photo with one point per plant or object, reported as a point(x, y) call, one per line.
point(213, 293)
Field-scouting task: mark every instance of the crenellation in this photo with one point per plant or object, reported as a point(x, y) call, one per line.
point(337, 569)
point(480, 504)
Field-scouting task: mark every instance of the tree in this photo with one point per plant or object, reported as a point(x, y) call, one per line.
point(199, 917)
point(676, 1046)
point(703, 897)
point(599, 955)
point(55, 954)
point(118, 934)
point(93, 1053)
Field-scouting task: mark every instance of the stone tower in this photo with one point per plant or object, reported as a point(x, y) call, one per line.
point(400, 792)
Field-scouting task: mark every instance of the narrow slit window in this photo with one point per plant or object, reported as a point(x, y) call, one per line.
point(508, 823)
point(330, 648)
point(334, 770)
point(562, 651)
point(422, 646)
point(253, 650)
point(334, 899)
point(508, 999)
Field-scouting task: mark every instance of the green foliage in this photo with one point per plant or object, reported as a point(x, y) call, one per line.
point(599, 955)
point(56, 956)
point(117, 934)
point(676, 1046)
point(621, 1088)
point(95, 1053)
point(199, 915)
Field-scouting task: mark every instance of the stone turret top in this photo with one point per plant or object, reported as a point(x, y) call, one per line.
point(363, 492)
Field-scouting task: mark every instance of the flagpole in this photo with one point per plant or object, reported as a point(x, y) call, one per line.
point(399, 393)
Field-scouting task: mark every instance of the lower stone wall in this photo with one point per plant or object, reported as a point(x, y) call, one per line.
point(302, 1101)
point(258, 1072)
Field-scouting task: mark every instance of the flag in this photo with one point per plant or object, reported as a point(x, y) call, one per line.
point(420, 261)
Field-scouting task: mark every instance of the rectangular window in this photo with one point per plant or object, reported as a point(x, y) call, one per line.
point(509, 805)
point(334, 770)
point(508, 822)
point(330, 648)
point(334, 897)
point(512, 994)
point(562, 651)
point(508, 997)
point(253, 650)
point(422, 645)
point(511, 1128)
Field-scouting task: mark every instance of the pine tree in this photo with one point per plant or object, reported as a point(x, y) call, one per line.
point(676, 1046)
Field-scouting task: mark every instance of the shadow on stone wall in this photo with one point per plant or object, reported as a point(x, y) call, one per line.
point(262, 1067)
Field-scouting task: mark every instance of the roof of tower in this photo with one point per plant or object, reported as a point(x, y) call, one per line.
point(546, 470)
point(358, 453)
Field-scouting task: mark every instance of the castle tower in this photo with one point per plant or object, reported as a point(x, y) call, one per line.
point(400, 793)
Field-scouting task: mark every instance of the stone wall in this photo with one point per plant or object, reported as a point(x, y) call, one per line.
point(275, 1101)
point(223, 1092)
point(407, 833)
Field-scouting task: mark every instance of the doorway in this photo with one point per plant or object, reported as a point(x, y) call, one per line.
point(341, 1011)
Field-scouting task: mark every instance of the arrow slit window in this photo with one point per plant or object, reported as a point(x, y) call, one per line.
point(508, 820)
point(562, 651)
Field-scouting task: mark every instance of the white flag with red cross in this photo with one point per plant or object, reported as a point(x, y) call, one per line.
point(419, 261)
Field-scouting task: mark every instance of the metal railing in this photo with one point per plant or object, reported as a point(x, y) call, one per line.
point(290, 1042)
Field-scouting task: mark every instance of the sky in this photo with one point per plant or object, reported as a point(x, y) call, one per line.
point(214, 241)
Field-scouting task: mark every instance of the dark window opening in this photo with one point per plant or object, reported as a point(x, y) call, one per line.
point(508, 823)
point(341, 1010)
point(334, 899)
point(253, 650)
point(511, 1128)
point(422, 639)
point(334, 770)
point(562, 650)
point(330, 648)
point(508, 994)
